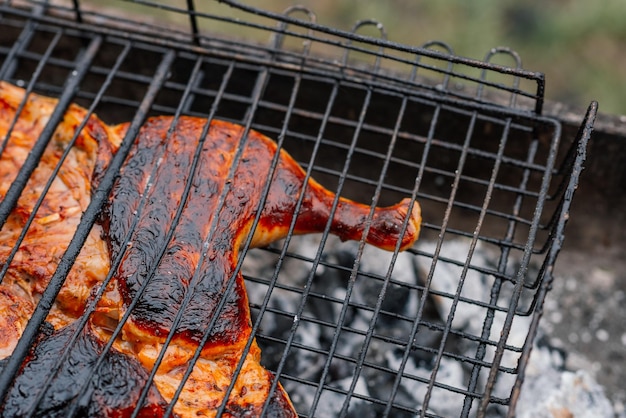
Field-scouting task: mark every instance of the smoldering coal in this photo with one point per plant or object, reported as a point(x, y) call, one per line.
point(336, 318)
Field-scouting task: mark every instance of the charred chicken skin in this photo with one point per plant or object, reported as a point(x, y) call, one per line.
point(179, 233)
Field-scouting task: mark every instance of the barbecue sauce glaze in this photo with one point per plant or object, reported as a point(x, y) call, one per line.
point(200, 258)
point(179, 257)
point(179, 254)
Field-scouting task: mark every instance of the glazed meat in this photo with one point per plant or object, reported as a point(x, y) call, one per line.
point(184, 249)
point(56, 218)
point(179, 213)
point(111, 391)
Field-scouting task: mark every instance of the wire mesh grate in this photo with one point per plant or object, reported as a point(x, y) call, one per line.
point(431, 331)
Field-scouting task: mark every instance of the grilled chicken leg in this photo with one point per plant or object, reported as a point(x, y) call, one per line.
point(179, 232)
point(179, 269)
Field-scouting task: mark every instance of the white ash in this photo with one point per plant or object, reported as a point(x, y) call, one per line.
point(549, 385)
point(552, 391)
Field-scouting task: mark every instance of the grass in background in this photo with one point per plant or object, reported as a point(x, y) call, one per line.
point(579, 44)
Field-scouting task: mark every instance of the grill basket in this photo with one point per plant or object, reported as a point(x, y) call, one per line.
point(443, 329)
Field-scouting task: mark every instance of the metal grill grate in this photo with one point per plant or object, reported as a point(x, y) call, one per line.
point(373, 121)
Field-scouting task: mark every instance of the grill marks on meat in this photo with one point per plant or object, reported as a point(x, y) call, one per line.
point(206, 240)
point(170, 275)
point(113, 391)
point(180, 254)
point(192, 269)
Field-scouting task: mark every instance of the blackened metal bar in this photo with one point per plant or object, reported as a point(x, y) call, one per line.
point(352, 36)
point(521, 273)
point(483, 78)
point(373, 41)
point(412, 137)
point(481, 350)
point(89, 218)
point(277, 44)
point(8, 66)
point(386, 369)
point(305, 294)
point(541, 88)
point(30, 219)
point(101, 289)
point(446, 218)
point(455, 300)
point(69, 64)
point(368, 308)
point(316, 261)
point(77, 12)
point(444, 173)
point(418, 317)
point(31, 162)
point(426, 292)
point(436, 95)
point(387, 279)
point(351, 282)
point(564, 170)
point(378, 308)
point(195, 73)
point(246, 247)
point(584, 134)
point(353, 274)
point(219, 95)
point(333, 73)
point(432, 100)
point(348, 358)
point(29, 88)
point(192, 96)
point(257, 93)
point(494, 173)
point(354, 271)
point(193, 22)
point(74, 407)
point(495, 290)
point(275, 160)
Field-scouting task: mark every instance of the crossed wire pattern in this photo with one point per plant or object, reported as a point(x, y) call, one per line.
point(496, 176)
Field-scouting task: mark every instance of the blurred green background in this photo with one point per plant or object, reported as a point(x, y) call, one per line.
point(579, 44)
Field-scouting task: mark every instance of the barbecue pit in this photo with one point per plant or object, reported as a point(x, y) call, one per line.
point(348, 330)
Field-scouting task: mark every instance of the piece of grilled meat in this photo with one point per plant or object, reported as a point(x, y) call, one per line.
point(179, 233)
point(58, 216)
point(180, 268)
point(111, 390)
